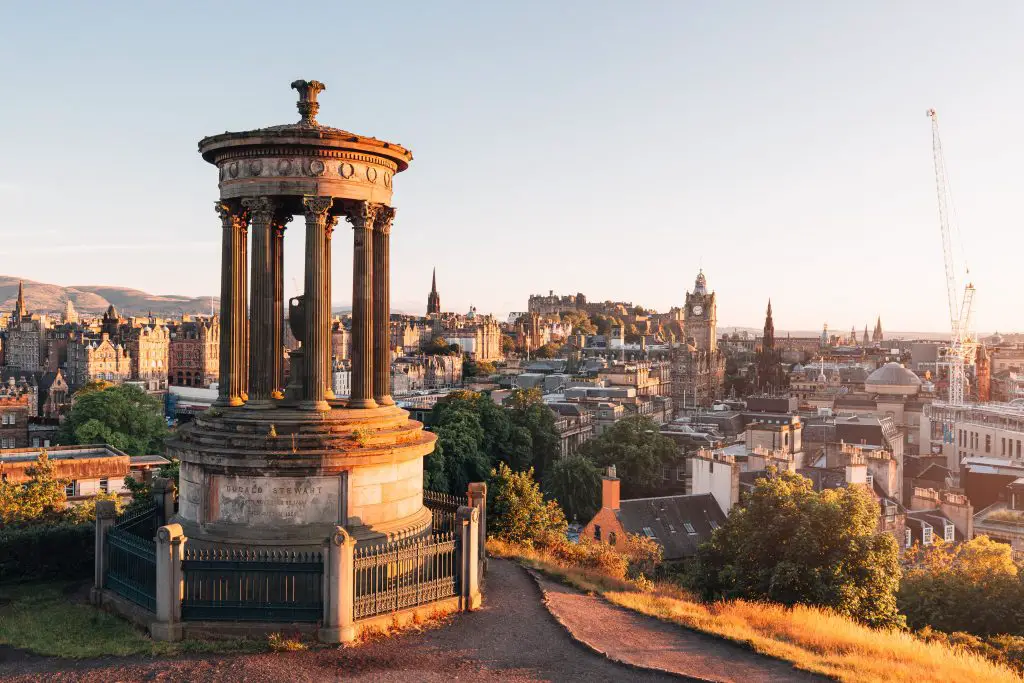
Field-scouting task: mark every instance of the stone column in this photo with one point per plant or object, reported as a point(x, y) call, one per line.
point(477, 497)
point(232, 290)
point(163, 496)
point(467, 520)
point(316, 344)
point(277, 330)
point(339, 589)
point(261, 306)
point(106, 515)
point(332, 222)
point(382, 306)
point(170, 542)
point(362, 215)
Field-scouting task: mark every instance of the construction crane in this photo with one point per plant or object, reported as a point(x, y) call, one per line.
point(962, 345)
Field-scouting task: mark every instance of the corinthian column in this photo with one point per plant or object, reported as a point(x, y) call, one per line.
point(317, 306)
point(332, 222)
point(382, 306)
point(362, 215)
point(261, 306)
point(277, 321)
point(231, 390)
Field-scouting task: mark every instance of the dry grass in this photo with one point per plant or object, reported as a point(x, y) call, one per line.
point(812, 639)
point(280, 643)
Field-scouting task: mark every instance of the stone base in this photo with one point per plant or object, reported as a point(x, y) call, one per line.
point(336, 636)
point(166, 632)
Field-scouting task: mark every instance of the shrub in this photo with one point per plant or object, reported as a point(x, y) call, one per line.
point(521, 515)
point(62, 550)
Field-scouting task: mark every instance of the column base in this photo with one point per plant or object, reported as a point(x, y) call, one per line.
point(329, 394)
point(260, 404)
point(277, 394)
point(336, 635)
point(319, 406)
point(362, 403)
point(384, 400)
point(164, 631)
point(230, 402)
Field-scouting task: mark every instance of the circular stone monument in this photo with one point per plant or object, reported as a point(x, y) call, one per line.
point(281, 463)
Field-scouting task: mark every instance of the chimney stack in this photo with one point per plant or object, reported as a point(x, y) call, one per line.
point(610, 490)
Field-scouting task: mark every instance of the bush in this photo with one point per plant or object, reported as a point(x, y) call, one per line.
point(520, 513)
point(62, 550)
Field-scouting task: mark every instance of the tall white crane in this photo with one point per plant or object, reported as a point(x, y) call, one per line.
point(962, 345)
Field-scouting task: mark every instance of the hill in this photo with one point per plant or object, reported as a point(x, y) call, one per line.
point(94, 299)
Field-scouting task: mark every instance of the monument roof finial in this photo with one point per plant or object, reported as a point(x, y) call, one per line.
point(307, 104)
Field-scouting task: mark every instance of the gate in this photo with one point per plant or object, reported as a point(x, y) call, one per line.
point(131, 558)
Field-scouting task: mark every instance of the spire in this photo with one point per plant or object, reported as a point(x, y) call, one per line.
point(20, 309)
point(433, 281)
point(434, 299)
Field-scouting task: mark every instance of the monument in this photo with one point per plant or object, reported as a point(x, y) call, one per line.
point(283, 466)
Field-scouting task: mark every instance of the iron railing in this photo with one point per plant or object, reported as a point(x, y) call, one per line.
point(131, 567)
point(443, 507)
point(406, 573)
point(142, 522)
point(252, 585)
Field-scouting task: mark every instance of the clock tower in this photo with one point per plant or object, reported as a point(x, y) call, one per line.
point(700, 316)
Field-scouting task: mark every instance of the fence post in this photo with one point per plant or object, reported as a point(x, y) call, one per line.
point(339, 589)
point(106, 515)
point(170, 542)
point(163, 496)
point(468, 525)
point(477, 496)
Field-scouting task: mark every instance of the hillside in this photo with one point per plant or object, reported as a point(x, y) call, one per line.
point(94, 299)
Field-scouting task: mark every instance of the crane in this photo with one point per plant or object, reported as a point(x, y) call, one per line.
point(962, 345)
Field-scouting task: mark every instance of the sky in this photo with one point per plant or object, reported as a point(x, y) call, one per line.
point(608, 148)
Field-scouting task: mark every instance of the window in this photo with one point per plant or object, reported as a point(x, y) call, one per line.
point(890, 512)
point(949, 533)
point(648, 532)
point(666, 473)
point(597, 532)
point(680, 474)
point(611, 538)
point(714, 524)
point(1002, 442)
point(907, 539)
point(689, 529)
point(104, 485)
point(69, 489)
point(988, 443)
point(926, 535)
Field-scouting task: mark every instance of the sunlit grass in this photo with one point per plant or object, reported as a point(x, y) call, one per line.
point(812, 639)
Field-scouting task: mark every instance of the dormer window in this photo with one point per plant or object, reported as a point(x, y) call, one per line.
point(689, 529)
point(949, 533)
point(907, 538)
point(926, 535)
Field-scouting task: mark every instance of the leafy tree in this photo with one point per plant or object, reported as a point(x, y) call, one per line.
point(973, 586)
point(123, 416)
point(520, 513)
point(575, 483)
point(529, 412)
point(549, 350)
point(39, 500)
point(439, 346)
point(638, 451)
point(508, 344)
point(789, 544)
point(472, 368)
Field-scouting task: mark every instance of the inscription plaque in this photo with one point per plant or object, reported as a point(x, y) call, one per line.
point(275, 501)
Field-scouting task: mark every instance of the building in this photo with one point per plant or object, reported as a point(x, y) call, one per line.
point(679, 523)
point(984, 430)
point(770, 376)
point(93, 358)
point(574, 425)
point(14, 414)
point(478, 336)
point(877, 337)
point(25, 338)
point(554, 305)
point(700, 316)
point(149, 349)
point(433, 299)
point(194, 353)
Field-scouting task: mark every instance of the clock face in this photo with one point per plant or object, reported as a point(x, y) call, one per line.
point(698, 309)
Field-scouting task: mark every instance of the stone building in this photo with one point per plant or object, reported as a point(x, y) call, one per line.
point(149, 348)
point(433, 299)
point(14, 414)
point(408, 335)
point(478, 336)
point(341, 340)
point(54, 395)
point(419, 373)
point(25, 337)
point(770, 376)
point(92, 358)
point(194, 353)
point(700, 316)
point(552, 304)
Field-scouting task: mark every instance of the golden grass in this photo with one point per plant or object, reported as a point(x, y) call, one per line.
point(812, 639)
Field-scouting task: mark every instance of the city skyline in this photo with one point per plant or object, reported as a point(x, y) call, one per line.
point(786, 152)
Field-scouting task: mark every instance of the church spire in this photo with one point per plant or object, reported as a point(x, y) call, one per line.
point(433, 299)
point(877, 336)
point(20, 311)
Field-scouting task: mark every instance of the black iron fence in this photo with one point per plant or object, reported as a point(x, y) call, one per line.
point(402, 574)
point(443, 507)
point(131, 557)
point(252, 585)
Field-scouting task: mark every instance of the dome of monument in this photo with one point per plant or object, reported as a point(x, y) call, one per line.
point(893, 378)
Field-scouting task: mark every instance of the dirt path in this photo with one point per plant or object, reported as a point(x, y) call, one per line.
point(513, 638)
point(625, 636)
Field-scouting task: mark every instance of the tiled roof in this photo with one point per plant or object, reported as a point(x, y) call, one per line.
point(678, 523)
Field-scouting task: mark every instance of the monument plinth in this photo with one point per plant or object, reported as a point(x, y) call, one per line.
point(283, 465)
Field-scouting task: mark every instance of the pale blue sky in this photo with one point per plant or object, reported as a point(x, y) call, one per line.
point(577, 146)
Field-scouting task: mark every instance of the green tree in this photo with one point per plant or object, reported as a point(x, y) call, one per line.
point(529, 412)
point(639, 452)
point(575, 483)
point(789, 544)
point(508, 344)
point(123, 416)
point(549, 350)
point(520, 513)
point(39, 500)
point(439, 346)
point(973, 586)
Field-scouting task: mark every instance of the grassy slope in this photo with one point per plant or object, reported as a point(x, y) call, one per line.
point(41, 618)
point(812, 639)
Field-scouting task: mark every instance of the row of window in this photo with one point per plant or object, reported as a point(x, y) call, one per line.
point(972, 440)
point(928, 535)
point(8, 442)
point(71, 488)
point(9, 418)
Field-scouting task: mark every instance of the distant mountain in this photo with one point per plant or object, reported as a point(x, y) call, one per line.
point(94, 299)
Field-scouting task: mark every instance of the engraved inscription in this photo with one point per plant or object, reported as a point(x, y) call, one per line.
point(275, 501)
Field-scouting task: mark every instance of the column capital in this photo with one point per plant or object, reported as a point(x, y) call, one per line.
point(362, 215)
point(317, 207)
point(332, 222)
point(280, 222)
point(261, 208)
point(231, 216)
point(384, 218)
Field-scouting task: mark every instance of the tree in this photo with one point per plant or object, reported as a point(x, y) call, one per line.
point(439, 346)
point(639, 452)
point(529, 411)
point(973, 586)
point(549, 350)
point(575, 483)
point(508, 344)
point(520, 513)
point(472, 368)
point(41, 499)
point(123, 416)
point(789, 544)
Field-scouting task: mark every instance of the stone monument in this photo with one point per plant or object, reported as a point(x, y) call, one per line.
point(277, 465)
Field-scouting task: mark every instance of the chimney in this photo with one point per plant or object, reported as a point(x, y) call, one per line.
point(856, 473)
point(959, 510)
point(610, 490)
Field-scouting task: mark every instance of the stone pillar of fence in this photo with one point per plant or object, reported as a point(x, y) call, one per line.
point(106, 515)
point(339, 589)
point(467, 526)
point(163, 496)
point(477, 496)
point(170, 543)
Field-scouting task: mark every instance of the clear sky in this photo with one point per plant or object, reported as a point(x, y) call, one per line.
point(606, 148)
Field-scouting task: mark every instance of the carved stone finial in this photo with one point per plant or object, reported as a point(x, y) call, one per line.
point(307, 104)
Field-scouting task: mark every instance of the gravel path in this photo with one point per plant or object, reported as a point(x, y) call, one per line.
point(638, 640)
point(513, 638)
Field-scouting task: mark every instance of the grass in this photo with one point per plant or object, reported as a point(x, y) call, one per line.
point(811, 639)
point(46, 618)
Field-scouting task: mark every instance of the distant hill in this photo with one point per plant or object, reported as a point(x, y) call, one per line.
point(41, 297)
